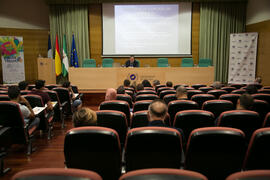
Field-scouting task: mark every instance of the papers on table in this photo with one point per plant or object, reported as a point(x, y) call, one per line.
point(53, 104)
point(38, 110)
point(76, 95)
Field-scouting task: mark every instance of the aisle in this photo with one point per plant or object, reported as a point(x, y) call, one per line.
point(49, 153)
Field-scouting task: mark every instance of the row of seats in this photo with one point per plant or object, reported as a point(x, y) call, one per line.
point(161, 62)
point(215, 152)
point(145, 174)
point(186, 120)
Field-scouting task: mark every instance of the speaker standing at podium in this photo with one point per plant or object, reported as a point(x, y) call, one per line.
point(132, 62)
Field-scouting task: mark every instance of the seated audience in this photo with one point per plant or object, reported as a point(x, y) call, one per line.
point(121, 90)
point(77, 104)
point(217, 85)
point(139, 87)
point(169, 84)
point(245, 102)
point(40, 86)
point(155, 83)
point(251, 89)
point(25, 107)
point(68, 86)
point(110, 94)
point(181, 93)
point(258, 80)
point(84, 117)
point(157, 112)
point(23, 85)
point(146, 83)
point(126, 83)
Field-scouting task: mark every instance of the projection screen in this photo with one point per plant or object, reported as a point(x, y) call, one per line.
point(147, 29)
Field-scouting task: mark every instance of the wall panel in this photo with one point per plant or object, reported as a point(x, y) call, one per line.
point(263, 54)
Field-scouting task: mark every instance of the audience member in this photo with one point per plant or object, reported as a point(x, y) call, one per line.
point(68, 86)
point(251, 89)
point(132, 62)
point(146, 83)
point(77, 104)
point(39, 91)
point(157, 112)
point(26, 109)
point(126, 83)
point(169, 84)
point(245, 102)
point(84, 117)
point(217, 85)
point(258, 80)
point(23, 85)
point(121, 90)
point(181, 93)
point(110, 94)
point(139, 87)
point(155, 83)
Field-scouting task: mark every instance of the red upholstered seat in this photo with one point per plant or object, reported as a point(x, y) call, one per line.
point(258, 156)
point(56, 173)
point(215, 152)
point(153, 147)
point(161, 174)
point(250, 175)
point(94, 148)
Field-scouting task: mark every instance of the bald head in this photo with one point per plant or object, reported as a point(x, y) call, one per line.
point(157, 110)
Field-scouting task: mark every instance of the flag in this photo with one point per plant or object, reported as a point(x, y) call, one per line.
point(73, 57)
point(65, 58)
point(58, 68)
point(49, 48)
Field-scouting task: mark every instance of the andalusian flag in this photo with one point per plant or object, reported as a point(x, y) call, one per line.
point(58, 65)
point(65, 58)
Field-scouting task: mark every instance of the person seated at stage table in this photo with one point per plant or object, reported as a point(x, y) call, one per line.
point(110, 94)
point(26, 109)
point(121, 90)
point(169, 84)
point(23, 85)
point(181, 93)
point(40, 86)
point(146, 83)
point(84, 117)
point(132, 62)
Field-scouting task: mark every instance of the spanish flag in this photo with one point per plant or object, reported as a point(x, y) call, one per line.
point(58, 64)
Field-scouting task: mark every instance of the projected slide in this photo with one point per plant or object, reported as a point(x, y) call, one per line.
point(147, 29)
point(141, 28)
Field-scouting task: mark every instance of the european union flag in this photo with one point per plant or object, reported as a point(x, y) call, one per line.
point(74, 57)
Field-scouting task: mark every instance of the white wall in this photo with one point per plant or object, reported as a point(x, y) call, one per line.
point(258, 11)
point(24, 14)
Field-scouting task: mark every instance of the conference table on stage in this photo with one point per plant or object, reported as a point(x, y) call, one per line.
point(99, 79)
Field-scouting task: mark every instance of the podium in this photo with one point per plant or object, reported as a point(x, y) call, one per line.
point(46, 70)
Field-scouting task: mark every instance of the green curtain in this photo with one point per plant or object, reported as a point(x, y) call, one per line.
point(70, 19)
point(217, 22)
